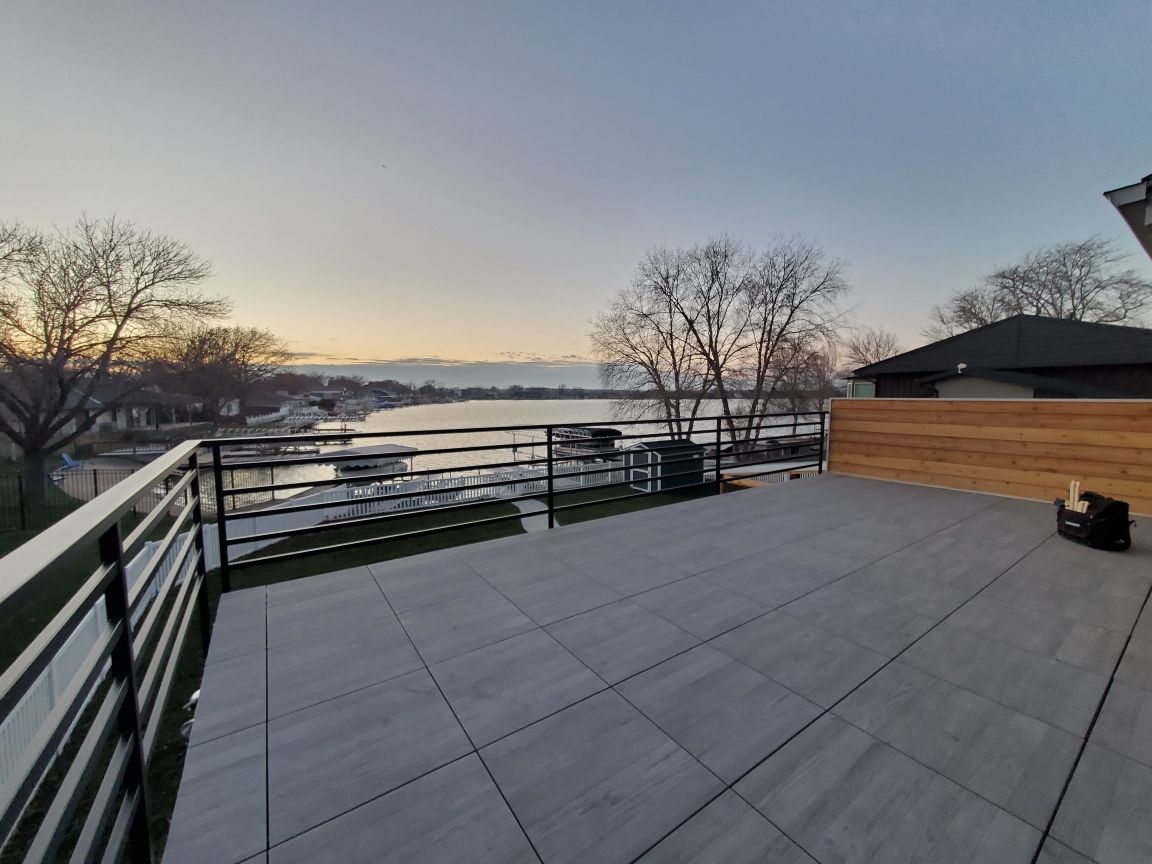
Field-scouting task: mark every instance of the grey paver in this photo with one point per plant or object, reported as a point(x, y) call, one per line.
point(727, 831)
point(220, 809)
point(344, 606)
point(456, 626)
point(410, 583)
point(863, 620)
point(504, 687)
point(1136, 665)
point(781, 575)
point(354, 579)
point(232, 697)
point(1009, 758)
point(1125, 722)
point(818, 665)
point(849, 797)
point(553, 594)
point(454, 815)
point(240, 626)
point(621, 639)
point(632, 572)
point(306, 671)
point(1070, 641)
point(1055, 692)
point(700, 607)
point(331, 757)
point(1105, 813)
point(598, 781)
point(725, 714)
point(1055, 852)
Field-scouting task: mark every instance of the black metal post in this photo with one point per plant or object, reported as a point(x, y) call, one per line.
point(551, 482)
point(20, 498)
point(719, 443)
point(124, 670)
point(221, 520)
point(95, 484)
point(198, 541)
point(820, 466)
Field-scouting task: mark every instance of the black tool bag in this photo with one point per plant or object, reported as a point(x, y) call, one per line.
point(1105, 524)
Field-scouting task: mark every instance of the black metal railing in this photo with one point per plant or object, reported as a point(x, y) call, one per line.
point(485, 468)
point(114, 698)
point(149, 543)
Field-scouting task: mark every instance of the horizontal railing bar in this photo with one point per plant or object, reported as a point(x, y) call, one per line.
point(140, 532)
point(153, 721)
point(145, 578)
point(394, 516)
point(23, 569)
point(146, 689)
point(323, 459)
point(16, 679)
point(118, 836)
point(341, 436)
point(101, 808)
point(55, 823)
point(368, 541)
point(21, 784)
point(143, 634)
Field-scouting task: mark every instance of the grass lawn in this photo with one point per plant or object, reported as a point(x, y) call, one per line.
point(612, 506)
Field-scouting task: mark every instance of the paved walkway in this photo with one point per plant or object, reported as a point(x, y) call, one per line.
point(530, 522)
point(832, 670)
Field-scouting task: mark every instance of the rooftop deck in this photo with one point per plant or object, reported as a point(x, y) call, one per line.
point(832, 669)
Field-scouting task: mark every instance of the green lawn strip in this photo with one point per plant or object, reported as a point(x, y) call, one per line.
point(612, 506)
point(268, 574)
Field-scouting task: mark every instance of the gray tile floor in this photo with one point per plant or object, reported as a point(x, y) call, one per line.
point(830, 670)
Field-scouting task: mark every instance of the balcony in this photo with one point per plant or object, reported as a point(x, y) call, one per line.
point(839, 668)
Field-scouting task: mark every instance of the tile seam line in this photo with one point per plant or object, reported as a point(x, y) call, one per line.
point(830, 708)
point(1088, 734)
point(463, 729)
point(267, 741)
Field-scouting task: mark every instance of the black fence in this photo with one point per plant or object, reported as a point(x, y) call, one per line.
point(510, 464)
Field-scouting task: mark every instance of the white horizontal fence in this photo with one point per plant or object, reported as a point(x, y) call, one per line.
point(20, 726)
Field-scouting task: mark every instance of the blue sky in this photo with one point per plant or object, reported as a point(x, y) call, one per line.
point(472, 181)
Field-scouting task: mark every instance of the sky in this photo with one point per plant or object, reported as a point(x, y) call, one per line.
point(455, 189)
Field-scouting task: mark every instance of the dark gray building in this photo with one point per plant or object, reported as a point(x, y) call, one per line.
point(1025, 356)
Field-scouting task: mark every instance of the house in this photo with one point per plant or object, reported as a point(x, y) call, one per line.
point(1134, 204)
point(1025, 356)
point(657, 466)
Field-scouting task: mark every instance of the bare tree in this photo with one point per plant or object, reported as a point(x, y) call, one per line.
point(870, 345)
point(718, 320)
point(83, 311)
point(218, 364)
point(642, 344)
point(1079, 281)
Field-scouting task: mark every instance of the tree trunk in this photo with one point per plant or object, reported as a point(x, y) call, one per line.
point(33, 481)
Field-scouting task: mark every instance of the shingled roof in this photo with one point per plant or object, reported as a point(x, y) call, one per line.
point(1024, 342)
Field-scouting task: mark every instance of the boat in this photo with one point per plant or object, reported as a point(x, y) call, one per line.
point(380, 458)
point(584, 442)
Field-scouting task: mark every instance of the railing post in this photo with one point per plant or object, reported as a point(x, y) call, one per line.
point(551, 482)
point(124, 670)
point(820, 465)
point(221, 520)
point(20, 499)
point(198, 541)
point(719, 444)
point(95, 484)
